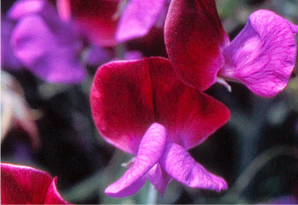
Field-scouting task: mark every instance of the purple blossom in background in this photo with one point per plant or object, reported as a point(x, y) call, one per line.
point(262, 56)
point(44, 44)
point(8, 59)
point(107, 23)
point(142, 108)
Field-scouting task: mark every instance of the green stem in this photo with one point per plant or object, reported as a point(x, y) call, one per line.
point(152, 195)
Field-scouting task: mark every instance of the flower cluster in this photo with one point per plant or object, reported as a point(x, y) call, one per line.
point(146, 107)
point(151, 106)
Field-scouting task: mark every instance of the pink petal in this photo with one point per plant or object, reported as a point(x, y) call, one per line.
point(23, 185)
point(178, 163)
point(150, 150)
point(194, 39)
point(49, 55)
point(159, 178)
point(137, 18)
point(263, 55)
point(27, 7)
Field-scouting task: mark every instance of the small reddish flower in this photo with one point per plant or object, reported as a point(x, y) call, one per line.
point(142, 108)
point(262, 56)
point(26, 185)
point(107, 22)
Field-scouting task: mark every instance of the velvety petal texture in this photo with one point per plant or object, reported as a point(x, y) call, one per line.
point(194, 39)
point(137, 18)
point(96, 19)
point(262, 56)
point(143, 108)
point(128, 96)
point(150, 150)
point(26, 185)
point(45, 45)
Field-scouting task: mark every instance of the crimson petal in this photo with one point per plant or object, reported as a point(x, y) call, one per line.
point(26, 185)
point(127, 97)
point(194, 38)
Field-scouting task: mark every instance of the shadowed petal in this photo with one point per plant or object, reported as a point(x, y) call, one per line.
point(194, 39)
point(44, 53)
point(150, 150)
point(178, 163)
point(263, 55)
point(137, 18)
point(95, 18)
point(159, 178)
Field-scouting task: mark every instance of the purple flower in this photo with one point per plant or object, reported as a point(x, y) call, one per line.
point(142, 108)
point(262, 56)
point(44, 44)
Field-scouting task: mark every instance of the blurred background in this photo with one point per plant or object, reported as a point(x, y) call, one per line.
point(49, 126)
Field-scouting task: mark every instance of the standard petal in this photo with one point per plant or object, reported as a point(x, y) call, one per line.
point(189, 115)
point(178, 163)
point(194, 38)
point(262, 56)
point(150, 150)
point(23, 185)
point(121, 102)
point(137, 18)
point(49, 55)
point(159, 178)
point(127, 97)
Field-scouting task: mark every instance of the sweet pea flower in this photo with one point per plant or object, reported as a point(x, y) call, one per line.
point(26, 185)
point(262, 56)
point(142, 108)
point(108, 22)
point(44, 44)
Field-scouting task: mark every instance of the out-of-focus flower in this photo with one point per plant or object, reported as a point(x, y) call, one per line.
point(27, 185)
point(142, 108)
point(15, 111)
point(262, 56)
point(44, 44)
point(108, 22)
point(8, 59)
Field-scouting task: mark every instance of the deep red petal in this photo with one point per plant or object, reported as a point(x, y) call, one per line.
point(189, 115)
point(128, 96)
point(194, 38)
point(121, 102)
point(23, 185)
point(96, 18)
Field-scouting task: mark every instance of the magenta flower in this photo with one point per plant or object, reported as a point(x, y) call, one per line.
point(107, 22)
point(26, 185)
point(142, 108)
point(44, 44)
point(261, 57)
